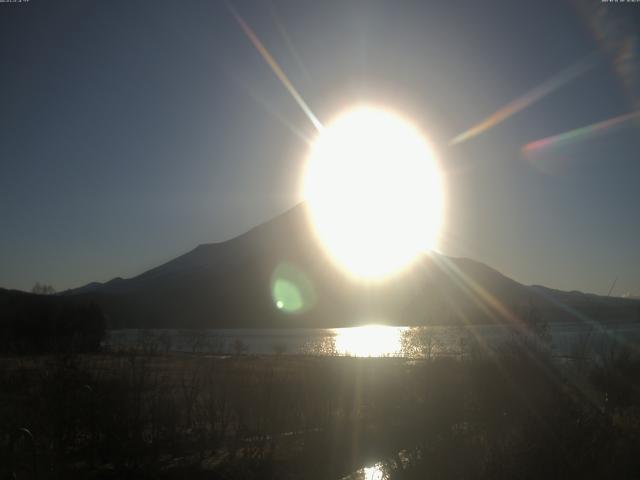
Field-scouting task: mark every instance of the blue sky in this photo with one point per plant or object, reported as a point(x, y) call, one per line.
point(133, 131)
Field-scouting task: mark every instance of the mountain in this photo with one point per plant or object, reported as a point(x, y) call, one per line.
point(238, 284)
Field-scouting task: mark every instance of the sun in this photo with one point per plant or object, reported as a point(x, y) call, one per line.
point(373, 192)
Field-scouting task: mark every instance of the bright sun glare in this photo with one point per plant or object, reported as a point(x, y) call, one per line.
point(369, 341)
point(374, 192)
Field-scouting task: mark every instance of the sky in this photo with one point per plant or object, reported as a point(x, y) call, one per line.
point(131, 132)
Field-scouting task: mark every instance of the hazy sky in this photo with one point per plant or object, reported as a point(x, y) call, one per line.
point(130, 132)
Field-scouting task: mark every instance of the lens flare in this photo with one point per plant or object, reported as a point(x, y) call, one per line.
point(578, 134)
point(532, 96)
point(291, 289)
point(616, 35)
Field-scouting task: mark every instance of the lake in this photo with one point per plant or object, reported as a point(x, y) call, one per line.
point(566, 340)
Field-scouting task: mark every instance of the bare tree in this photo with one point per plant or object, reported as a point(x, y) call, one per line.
point(43, 289)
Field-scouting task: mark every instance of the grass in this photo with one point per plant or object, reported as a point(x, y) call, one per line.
point(513, 414)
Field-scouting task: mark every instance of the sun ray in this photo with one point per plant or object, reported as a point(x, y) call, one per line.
point(535, 94)
point(489, 304)
point(253, 38)
point(486, 300)
point(273, 111)
point(287, 40)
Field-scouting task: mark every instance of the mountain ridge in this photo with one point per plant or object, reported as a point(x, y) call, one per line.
point(231, 284)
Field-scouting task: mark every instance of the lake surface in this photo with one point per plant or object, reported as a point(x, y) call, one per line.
point(566, 339)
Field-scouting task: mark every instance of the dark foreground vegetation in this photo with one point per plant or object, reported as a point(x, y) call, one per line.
point(515, 413)
point(44, 323)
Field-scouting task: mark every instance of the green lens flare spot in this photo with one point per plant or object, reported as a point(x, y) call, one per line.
point(291, 289)
point(289, 297)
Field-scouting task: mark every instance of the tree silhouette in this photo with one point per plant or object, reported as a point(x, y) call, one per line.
point(43, 289)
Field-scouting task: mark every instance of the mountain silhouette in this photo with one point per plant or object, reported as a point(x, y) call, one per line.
point(232, 284)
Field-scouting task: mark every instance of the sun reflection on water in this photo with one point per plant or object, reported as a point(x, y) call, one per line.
point(369, 341)
point(376, 472)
